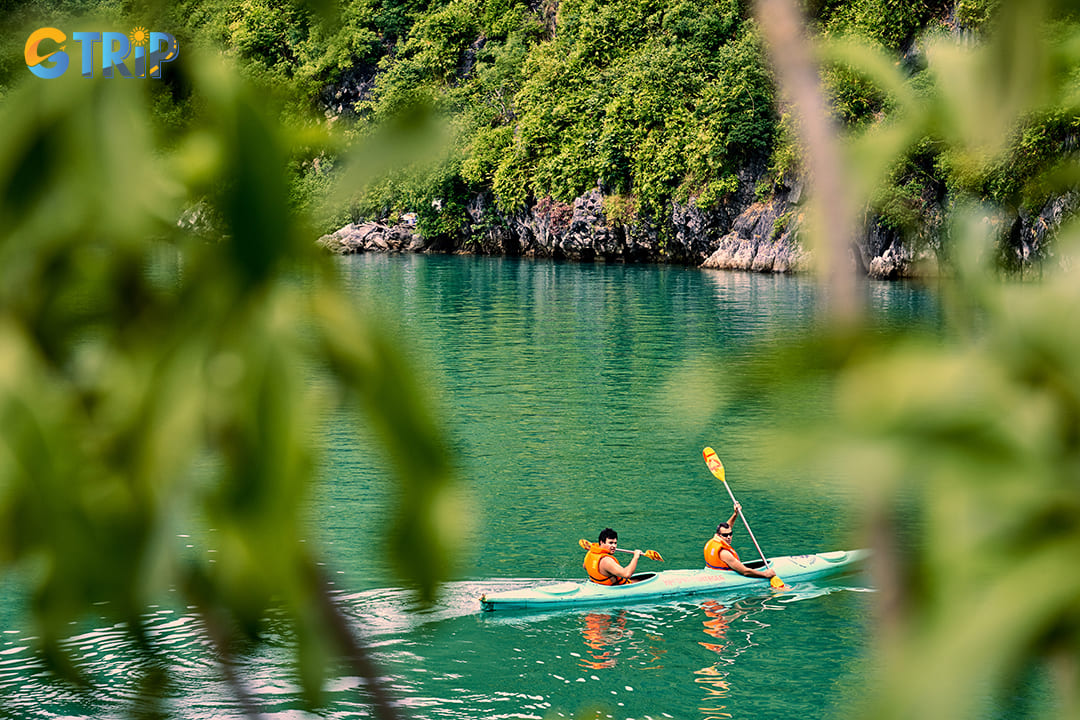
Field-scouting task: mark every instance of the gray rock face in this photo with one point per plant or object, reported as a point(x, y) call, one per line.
point(372, 237)
point(580, 231)
point(763, 239)
point(1029, 239)
point(882, 254)
point(741, 234)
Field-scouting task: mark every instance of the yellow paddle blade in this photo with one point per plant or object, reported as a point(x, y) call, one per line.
point(585, 544)
point(715, 466)
point(777, 583)
point(653, 555)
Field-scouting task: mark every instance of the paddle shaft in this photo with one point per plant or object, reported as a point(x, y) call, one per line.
point(748, 530)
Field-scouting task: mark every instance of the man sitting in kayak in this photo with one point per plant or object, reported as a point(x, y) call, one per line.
point(720, 555)
point(600, 562)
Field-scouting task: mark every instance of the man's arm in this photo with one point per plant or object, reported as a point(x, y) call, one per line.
point(735, 564)
point(734, 514)
point(611, 566)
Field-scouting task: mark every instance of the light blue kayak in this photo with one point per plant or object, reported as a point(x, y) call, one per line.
point(673, 583)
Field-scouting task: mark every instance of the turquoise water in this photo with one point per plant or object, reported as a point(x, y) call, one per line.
point(573, 397)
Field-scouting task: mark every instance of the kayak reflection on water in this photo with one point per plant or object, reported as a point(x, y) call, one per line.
point(607, 637)
point(713, 679)
point(716, 626)
point(603, 633)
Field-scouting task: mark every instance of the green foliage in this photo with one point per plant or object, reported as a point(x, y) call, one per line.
point(447, 216)
point(660, 99)
point(855, 100)
point(734, 120)
point(483, 40)
point(156, 382)
point(465, 59)
point(310, 190)
point(619, 210)
point(889, 107)
point(983, 459)
point(439, 39)
point(963, 435)
point(267, 32)
point(648, 113)
point(780, 226)
point(597, 33)
point(786, 159)
point(288, 45)
point(905, 200)
point(706, 27)
point(900, 206)
point(976, 14)
point(1020, 176)
point(892, 23)
point(713, 192)
point(654, 99)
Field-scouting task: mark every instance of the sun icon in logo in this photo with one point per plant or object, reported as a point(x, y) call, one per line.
point(139, 36)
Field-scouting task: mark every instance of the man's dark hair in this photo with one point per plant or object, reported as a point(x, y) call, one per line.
point(721, 526)
point(608, 533)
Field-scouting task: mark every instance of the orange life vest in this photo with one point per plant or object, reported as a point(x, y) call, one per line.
point(598, 552)
point(712, 553)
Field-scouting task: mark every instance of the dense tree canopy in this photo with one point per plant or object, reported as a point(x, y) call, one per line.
point(649, 100)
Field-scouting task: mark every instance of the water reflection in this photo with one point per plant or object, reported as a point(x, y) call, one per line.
point(608, 638)
point(719, 625)
point(730, 629)
point(603, 634)
point(717, 689)
point(640, 638)
point(716, 626)
point(712, 678)
point(456, 663)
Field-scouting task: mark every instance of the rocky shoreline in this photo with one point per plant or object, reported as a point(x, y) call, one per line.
point(743, 234)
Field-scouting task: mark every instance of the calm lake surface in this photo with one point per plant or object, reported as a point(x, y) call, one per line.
point(572, 396)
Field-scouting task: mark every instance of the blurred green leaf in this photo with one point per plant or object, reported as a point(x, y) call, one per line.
point(156, 382)
point(963, 440)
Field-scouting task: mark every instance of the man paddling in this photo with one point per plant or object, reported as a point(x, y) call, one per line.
point(600, 562)
point(720, 555)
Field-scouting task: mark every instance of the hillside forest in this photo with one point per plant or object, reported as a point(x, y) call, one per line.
point(657, 105)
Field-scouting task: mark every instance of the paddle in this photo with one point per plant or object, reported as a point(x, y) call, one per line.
point(651, 554)
point(717, 469)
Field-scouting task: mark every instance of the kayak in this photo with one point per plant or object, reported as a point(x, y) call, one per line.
point(672, 583)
